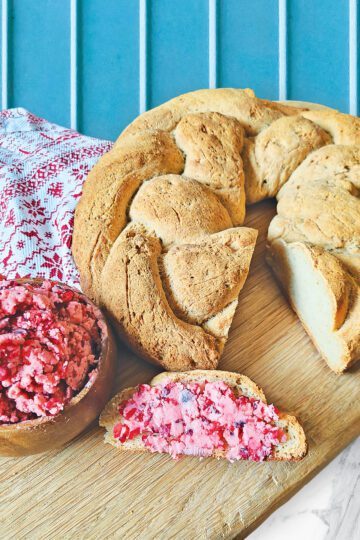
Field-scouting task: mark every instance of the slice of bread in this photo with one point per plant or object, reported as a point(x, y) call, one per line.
point(325, 297)
point(293, 449)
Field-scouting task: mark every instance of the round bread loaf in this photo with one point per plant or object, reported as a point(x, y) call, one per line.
point(158, 238)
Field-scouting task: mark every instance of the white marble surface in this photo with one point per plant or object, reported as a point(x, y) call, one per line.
point(327, 508)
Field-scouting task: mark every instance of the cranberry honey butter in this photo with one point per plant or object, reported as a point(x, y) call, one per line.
point(54, 352)
point(199, 419)
point(203, 413)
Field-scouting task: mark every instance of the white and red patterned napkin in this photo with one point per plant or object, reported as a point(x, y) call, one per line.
point(42, 169)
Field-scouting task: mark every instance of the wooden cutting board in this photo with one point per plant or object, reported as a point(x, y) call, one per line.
point(89, 491)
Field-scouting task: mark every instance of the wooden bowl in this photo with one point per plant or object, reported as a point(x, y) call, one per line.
point(49, 432)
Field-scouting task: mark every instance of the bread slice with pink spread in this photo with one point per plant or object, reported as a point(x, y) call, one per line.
point(202, 413)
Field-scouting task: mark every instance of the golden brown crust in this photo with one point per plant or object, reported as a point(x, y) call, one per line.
point(294, 449)
point(276, 152)
point(101, 212)
point(320, 203)
point(44, 434)
point(343, 128)
point(178, 209)
point(212, 144)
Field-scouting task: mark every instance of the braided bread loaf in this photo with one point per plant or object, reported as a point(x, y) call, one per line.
point(157, 237)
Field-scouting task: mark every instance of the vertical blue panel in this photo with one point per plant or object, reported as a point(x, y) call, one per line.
point(248, 45)
point(108, 66)
point(39, 57)
point(178, 48)
point(318, 66)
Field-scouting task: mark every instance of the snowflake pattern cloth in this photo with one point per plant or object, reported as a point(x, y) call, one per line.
point(42, 170)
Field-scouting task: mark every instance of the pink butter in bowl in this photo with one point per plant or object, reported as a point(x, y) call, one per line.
point(57, 364)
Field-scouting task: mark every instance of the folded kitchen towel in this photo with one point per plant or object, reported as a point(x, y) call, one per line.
point(42, 170)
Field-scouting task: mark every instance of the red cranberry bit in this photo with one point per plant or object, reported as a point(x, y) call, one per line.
point(4, 373)
point(121, 432)
point(67, 296)
point(199, 419)
point(134, 433)
point(129, 413)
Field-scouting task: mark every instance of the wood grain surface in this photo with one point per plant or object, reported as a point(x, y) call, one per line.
point(89, 491)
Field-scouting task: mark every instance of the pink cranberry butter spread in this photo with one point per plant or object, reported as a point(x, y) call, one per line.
point(199, 419)
point(50, 341)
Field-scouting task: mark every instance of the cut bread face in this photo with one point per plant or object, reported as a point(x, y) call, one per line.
point(210, 413)
point(325, 297)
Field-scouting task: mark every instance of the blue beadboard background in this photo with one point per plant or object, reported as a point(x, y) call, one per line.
point(94, 64)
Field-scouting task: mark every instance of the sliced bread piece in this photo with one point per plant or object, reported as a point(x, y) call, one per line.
point(325, 297)
point(291, 447)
